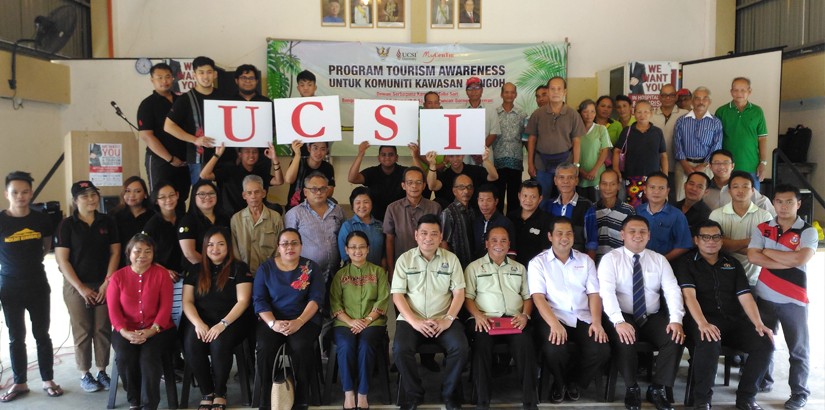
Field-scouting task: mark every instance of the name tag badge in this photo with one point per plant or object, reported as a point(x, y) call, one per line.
point(535, 231)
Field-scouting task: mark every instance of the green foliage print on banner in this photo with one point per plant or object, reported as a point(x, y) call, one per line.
point(545, 61)
point(281, 68)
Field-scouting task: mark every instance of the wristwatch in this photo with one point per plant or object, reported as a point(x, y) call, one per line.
point(224, 323)
point(271, 323)
point(156, 328)
point(449, 317)
point(763, 162)
point(578, 165)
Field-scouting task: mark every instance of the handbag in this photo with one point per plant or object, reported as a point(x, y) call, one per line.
point(623, 152)
point(283, 386)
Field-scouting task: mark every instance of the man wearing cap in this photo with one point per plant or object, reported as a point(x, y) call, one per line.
point(474, 89)
point(551, 131)
point(746, 133)
point(665, 118)
point(696, 136)
point(684, 99)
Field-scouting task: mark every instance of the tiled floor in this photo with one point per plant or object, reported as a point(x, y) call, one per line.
point(504, 396)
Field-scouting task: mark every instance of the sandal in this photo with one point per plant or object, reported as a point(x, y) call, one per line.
point(53, 391)
point(206, 406)
point(11, 395)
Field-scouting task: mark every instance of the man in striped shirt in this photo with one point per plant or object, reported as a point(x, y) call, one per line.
point(783, 247)
point(607, 214)
point(697, 134)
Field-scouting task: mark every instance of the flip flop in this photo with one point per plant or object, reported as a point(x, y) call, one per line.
point(11, 395)
point(54, 391)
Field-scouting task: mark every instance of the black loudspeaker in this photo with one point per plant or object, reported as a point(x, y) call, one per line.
point(806, 211)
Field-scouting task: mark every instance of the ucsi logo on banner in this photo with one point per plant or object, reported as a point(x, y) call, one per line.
point(318, 119)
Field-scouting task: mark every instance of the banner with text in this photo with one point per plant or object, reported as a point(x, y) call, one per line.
point(645, 79)
point(353, 70)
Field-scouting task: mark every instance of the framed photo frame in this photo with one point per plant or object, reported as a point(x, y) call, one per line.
point(469, 13)
point(442, 13)
point(361, 13)
point(333, 13)
point(390, 13)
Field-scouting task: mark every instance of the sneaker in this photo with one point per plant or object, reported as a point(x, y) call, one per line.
point(797, 401)
point(89, 384)
point(104, 380)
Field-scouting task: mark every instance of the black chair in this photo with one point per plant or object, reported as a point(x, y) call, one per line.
point(613, 372)
point(314, 383)
point(382, 366)
point(426, 348)
point(729, 353)
point(499, 349)
point(168, 376)
point(242, 353)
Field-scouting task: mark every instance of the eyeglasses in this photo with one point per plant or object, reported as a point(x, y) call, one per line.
point(720, 163)
point(204, 195)
point(318, 190)
point(358, 247)
point(671, 95)
point(289, 244)
point(246, 78)
point(708, 238)
point(414, 183)
point(464, 187)
point(167, 197)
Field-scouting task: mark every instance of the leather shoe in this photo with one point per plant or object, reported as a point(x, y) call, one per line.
point(557, 394)
point(747, 405)
point(529, 406)
point(658, 397)
point(633, 398)
point(573, 393)
point(451, 405)
point(410, 406)
point(703, 406)
point(797, 401)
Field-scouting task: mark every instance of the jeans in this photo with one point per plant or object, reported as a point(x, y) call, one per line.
point(15, 304)
point(406, 344)
point(794, 320)
point(194, 173)
point(356, 355)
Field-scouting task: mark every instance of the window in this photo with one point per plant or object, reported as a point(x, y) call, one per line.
point(797, 24)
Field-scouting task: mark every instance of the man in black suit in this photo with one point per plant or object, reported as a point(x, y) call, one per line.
point(469, 15)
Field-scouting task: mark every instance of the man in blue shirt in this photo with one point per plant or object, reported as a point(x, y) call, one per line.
point(669, 231)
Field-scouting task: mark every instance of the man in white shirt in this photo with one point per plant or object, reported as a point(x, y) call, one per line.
point(565, 289)
point(721, 164)
point(630, 279)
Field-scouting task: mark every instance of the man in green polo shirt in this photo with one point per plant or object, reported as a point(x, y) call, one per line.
point(497, 288)
point(745, 131)
point(428, 291)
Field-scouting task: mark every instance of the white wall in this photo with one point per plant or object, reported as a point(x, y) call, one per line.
point(602, 33)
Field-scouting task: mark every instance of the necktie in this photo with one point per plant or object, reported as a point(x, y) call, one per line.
point(639, 305)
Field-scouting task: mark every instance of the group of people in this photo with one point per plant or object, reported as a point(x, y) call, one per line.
point(601, 272)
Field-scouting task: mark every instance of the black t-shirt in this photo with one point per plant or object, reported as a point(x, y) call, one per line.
point(697, 214)
point(718, 287)
point(230, 183)
point(151, 116)
point(385, 189)
point(194, 225)
point(644, 150)
point(445, 197)
point(216, 304)
point(167, 248)
point(183, 115)
point(88, 245)
point(530, 235)
point(21, 249)
point(296, 189)
point(127, 226)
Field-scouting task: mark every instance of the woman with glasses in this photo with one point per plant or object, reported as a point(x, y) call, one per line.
point(132, 213)
point(286, 294)
point(359, 295)
point(87, 249)
point(140, 306)
point(215, 300)
point(163, 227)
point(203, 214)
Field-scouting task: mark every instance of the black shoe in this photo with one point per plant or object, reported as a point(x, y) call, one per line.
point(658, 397)
point(747, 405)
point(573, 393)
point(452, 405)
point(765, 387)
point(797, 401)
point(633, 398)
point(409, 406)
point(529, 406)
point(703, 406)
point(430, 364)
point(557, 394)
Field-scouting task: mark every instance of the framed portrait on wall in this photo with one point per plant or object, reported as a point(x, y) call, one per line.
point(361, 13)
point(469, 13)
point(442, 13)
point(390, 13)
point(333, 13)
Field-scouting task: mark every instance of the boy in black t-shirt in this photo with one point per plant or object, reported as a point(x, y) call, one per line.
point(25, 237)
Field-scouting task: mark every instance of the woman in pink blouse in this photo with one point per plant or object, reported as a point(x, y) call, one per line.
point(140, 309)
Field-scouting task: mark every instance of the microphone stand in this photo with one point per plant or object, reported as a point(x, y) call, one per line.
point(119, 113)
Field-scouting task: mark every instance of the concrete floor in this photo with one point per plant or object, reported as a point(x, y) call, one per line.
point(506, 386)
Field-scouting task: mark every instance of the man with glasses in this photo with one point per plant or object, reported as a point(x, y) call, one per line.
point(318, 219)
point(402, 216)
point(722, 313)
point(671, 234)
point(665, 117)
point(384, 179)
point(300, 167)
point(746, 132)
point(783, 247)
point(255, 228)
point(440, 182)
point(696, 135)
point(722, 165)
point(457, 220)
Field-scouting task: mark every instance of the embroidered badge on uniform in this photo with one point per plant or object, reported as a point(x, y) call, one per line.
point(303, 281)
